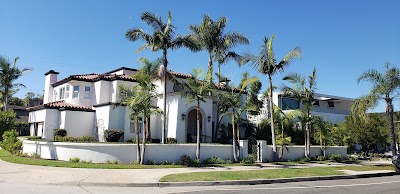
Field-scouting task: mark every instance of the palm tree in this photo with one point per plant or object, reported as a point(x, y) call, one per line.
point(162, 39)
point(233, 101)
point(194, 91)
point(265, 63)
point(139, 98)
point(384, 87)
point(284, 119)
point(8, 74)
point(321, 132)
point(211, 37)
point(128, 97)
point(303, 92)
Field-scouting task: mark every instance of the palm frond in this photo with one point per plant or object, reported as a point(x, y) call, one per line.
point(153, 20)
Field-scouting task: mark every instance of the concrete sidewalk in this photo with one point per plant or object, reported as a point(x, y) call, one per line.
point(10, 172)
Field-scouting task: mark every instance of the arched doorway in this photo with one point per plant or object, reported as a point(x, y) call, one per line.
point(191, 126)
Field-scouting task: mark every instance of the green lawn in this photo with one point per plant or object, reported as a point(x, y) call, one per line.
point(266, 174)
point(6, 156)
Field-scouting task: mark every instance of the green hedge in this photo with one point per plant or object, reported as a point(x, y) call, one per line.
point(83, 139)
point(113, 135)
point(7, 121)
point(60, 132)
point(10, 142)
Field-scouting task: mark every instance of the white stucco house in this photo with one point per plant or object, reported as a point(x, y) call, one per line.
point(84, 105)
point(332, 108)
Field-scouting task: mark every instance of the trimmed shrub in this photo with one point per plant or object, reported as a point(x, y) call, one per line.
point(228, 161)
point(149, 162)
point(186, 160)
point(171, 140)
point(112, 162)
point(214, 160)
point(305, 159)
point(83, 139)
point(7, 121)
point(165, 162)
point(322, 158)
point(35, 155)
point(33, 137)
point(335, 157)
point(113, 135)
point(75, 160)
point(60, 132)
point(10, 142)
point(248, 160)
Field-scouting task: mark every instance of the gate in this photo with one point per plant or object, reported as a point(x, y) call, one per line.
point(253, 147)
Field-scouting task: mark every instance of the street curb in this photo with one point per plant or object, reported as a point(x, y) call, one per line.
point(234, 182)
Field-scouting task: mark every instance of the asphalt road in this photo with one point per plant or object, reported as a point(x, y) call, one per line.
point(383, 185)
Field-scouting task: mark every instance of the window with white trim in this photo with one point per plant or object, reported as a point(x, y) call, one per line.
point(67, 91)
point(75, 93)
point(87, 92)
point(54, 95)
point(62, 93)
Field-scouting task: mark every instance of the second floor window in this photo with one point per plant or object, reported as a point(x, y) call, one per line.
point(66, 91)
point(75, 93)
point(87, 92)
point(62, 92)
point(331, 104)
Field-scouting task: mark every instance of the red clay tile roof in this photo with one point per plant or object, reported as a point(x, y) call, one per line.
point(59, 105)
point(179, 75)
point(94, 77)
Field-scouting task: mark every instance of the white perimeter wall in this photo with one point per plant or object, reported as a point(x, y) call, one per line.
point(125, 153)
point(294, 152)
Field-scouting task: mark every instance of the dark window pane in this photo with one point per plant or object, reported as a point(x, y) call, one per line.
point(289, 104)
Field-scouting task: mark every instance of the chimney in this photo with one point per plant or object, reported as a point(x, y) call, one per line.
point(51, 77)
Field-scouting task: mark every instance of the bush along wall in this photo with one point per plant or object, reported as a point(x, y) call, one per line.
point(60, 132)
point(10, 142)
point(113, 135)
point(7, 121)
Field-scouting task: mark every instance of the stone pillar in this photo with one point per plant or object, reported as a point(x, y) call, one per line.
point(244, 148)
point(263, 153)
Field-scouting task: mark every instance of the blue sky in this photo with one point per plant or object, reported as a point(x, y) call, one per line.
point(340, 38)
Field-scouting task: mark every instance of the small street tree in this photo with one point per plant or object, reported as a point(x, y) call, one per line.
point(195, 90)
point(139, 98)
point(232, 105)
point(303, 92)
point(128, 97)
point(266, 64)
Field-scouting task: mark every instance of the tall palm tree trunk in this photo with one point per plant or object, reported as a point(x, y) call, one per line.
point(5, 98)
point(164, 125)
point(210, 68)
point(234, 146)
point(137, 141)
point(308, 139)
point(271, 110)
point(217, 121)
point(321, 144)
point(198, 132)
point(283, 142)
point(389, 110)
point(144, 141)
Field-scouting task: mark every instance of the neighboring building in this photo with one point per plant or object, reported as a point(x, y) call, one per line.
point(84, 105)
point(331, 108)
